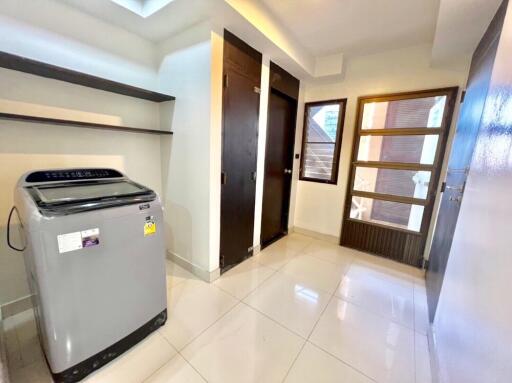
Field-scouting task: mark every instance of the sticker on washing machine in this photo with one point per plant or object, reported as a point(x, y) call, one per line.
point(78, 240)
point(149, 226)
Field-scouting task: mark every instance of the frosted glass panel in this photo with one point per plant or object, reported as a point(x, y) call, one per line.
point(395, 214)
point(404, 183)
point(411, 113)
point(409, 149)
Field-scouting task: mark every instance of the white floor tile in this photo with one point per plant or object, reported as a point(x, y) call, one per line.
point(177, 370)
point(390, 267)
point(177, 274)
point(294, 241)
point(380, 348)
point(315, 365)
point(244, 278)
point(315, 273)
point(330, 252)
point(35, 373)
point(421, 319)
point(137, 364)
point(192, 306)
point(287, 301)
point(423, 372)
point(275, 256)
point(244, 346)
point(379, 293)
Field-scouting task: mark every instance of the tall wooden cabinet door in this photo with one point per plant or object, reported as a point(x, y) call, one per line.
point(242, 76)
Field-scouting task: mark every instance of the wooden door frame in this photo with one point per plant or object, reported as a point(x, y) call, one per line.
point(452, 96)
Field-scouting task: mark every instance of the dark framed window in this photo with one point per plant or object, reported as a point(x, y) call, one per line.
point(321, 140)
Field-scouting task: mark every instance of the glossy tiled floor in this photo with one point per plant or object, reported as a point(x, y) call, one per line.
point(300, 311)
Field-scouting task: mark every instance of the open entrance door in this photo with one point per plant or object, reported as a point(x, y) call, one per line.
point(460, 158)
point(397, 155)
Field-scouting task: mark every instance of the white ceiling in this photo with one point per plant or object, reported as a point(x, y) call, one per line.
point(319, 27)
point(460, 26)
point(357, 26)
point(173, 17)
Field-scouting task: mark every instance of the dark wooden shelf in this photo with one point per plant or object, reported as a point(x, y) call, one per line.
point(79, 124)
point(39, 68)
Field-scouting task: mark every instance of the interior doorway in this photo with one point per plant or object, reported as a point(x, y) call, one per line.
point(280, 140)
point(398, 151)
point(240, 109)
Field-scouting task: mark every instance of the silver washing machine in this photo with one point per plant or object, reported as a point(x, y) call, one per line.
point(95, 259)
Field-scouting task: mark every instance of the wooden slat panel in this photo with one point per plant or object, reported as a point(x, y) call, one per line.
point(397, 245)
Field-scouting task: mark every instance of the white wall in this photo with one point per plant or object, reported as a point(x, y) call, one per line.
point(185, 72)
point(472, 327)
point(25, 146)
point(319, 207)
point(262, 140)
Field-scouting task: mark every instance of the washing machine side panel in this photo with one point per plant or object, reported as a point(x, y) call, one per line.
point(94, 296)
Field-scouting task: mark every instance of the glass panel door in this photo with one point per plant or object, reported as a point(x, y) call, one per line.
point(398, 151)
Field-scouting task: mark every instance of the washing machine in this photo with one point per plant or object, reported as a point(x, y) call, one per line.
point(93, 246)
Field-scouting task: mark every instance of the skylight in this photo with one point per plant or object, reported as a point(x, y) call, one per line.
point(143, 8)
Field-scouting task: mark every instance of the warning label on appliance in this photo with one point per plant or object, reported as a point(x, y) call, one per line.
point(149, 226)
point(78, 240)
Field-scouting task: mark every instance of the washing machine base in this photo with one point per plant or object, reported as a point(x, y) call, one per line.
point(84, 368)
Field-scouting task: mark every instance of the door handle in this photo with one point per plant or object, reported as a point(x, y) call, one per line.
point(455, 188)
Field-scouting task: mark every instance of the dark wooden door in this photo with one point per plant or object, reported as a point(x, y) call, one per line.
point(242, 71)
point(460, 158)
point(282, 111)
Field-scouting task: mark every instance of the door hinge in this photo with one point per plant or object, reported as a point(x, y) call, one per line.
point(425, 264)
point(253, 176)
point(225, 81)
point(222, 261)
point(462, 96)
point(443, 187)
point(257, 90)
point(223, 178)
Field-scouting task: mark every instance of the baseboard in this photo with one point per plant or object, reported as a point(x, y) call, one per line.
point(315, 234)
point(205, 275)
point(434, 359)
point(15, 307)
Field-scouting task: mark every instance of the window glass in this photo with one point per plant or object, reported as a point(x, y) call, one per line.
point(426, 112)
point(395, 214)
point(322, 138)
point(404, 183)
point(420, 149)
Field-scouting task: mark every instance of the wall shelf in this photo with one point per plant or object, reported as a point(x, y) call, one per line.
point(79, 124)
point(39, 68)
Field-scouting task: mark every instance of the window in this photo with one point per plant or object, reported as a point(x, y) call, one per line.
point(321, 140)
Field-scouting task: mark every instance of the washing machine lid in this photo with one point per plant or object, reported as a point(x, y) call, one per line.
point(64, 198)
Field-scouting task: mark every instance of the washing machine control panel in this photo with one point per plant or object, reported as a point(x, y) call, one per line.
point(72, 175)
